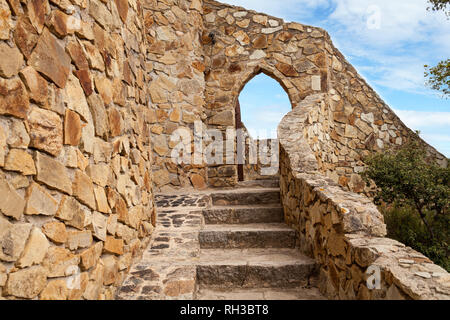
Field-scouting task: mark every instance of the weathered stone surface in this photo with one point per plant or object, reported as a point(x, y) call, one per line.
point(60, 262)
point(102, 202)
point(111, 270)
point(35, 249)
point(83, 189)
point(3, 140)
point(36, 85)
point(76, 53)
point(26, 283)
point(18, 135)
point(52, 173)
point(79, 239)
point(104, 88)
point(21, 161)
point(13, 98)
point(25, 36)
point(46, 131)
point(50, 59)
point(11, 61)
point(99, 115)
point(71, 211)
point(12, 204)
point(75, 99)
point(99, 223)
point(55, 231)
point(39, 201)
point(37, 9)
point(13, 238)
point(122, 7)
point(63, 24)
point(115, 122)
point(113, 245)
point(85, 81)
point(55, 290)
point(286, 69)
point(72, 128)
point(100, 13)
point(5, 20)
point(198, 182)
point(90, 257)
point(99, 173)
point(225, 118)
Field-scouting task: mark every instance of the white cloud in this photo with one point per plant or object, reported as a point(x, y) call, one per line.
point(420, 119)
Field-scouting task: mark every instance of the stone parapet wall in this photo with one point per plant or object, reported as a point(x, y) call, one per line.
point(344, 231)
point(76, 199)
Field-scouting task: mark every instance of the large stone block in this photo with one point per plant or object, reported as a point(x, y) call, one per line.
point(13, 98)
point(13, 238)
point(46, 131)
point(50, 59)
point(39, 201)
point(52, 173)
point(26, 283)
point(11, 61)
point(35, 249)
point(83, 189)
point(11, 204)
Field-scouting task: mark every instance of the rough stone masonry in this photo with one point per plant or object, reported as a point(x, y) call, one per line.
point(90, 93)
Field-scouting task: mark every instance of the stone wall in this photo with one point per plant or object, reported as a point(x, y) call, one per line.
point(344, 231)
point(240, 44)
point(176, 68)
point(76, 202)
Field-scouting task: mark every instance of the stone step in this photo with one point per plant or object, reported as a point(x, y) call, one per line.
point(256, 294)
point(244, 214)
point(246, 197)
point(269, 183)
point(241, 236)
point(254, 268)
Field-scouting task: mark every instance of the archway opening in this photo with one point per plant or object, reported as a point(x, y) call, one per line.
point(260, 107)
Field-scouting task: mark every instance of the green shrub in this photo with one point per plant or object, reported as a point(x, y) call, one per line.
point(415, 197)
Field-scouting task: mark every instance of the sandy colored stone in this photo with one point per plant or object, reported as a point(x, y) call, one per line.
point(72, 212)
point(79, 239)
point(83, 189)
point(46, 132)
point(55, 231)
point(63, 24)
point(90, 257)
point(99, 173)
point(3, 138)
point(21, 161)
point(26, 283)
point(13, 98)
point(5, 20)
point(85, 81)
point(104, 88)
point(100, 13)
point(60, 262)
point(18, 135)
point(55, 290)
point(50, 59)
point(25, 36)
point(115, 122)
point(198, 182)
point(11, 61)
point(77, 54)
point(102, 202)
point(113, 245)
point(99, 115)
point(37, 9)
point(39, 201)
point(99, 222)
point(177, 288)
point(75, 99)
point(111, 270)
point(35, 249)
point(224, 118)
point(287, 69)
point(72, 128)
point(13, 238)
point(12, 204)
point(37, 86)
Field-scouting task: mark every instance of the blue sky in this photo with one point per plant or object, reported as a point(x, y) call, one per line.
point(387, 41)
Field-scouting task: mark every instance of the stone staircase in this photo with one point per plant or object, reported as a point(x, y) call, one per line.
point(239, 249)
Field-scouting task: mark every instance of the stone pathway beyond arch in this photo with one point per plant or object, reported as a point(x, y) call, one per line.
point(222, 244)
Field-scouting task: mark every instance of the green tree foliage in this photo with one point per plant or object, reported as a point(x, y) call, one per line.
point(415, 197)
point(443, 5)
point(439, 76)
